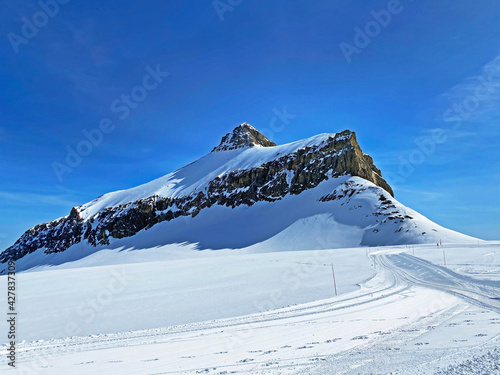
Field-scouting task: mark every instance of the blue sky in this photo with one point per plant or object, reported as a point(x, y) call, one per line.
point(422, 91)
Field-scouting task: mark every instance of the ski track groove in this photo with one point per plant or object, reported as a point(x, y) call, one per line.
point(396, 274)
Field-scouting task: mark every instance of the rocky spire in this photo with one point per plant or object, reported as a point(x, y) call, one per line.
point(242, 136)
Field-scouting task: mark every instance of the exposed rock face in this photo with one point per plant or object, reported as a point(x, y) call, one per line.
point(292, 173)
point(244, 135)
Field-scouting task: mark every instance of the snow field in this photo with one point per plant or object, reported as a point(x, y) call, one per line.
point(270, 313)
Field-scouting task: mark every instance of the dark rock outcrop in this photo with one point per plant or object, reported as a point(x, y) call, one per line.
point(292, 173)
point(244, 135)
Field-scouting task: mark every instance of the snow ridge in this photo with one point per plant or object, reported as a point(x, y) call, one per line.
point(245, 171)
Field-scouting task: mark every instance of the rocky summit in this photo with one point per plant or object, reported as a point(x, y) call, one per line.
point(244, 170)
point(244, 135)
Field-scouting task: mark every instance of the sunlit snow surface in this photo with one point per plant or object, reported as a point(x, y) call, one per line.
point(176, 310)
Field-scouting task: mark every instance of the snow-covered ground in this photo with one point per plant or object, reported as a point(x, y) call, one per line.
point(209, 285)
point(481, 262)
point(175, 310)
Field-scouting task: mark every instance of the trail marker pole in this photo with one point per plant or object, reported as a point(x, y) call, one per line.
point(334, 282)
point(444, 258)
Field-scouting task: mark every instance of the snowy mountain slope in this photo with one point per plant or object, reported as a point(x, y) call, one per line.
point(310, 220)
point(196, 176)
point(321, 192)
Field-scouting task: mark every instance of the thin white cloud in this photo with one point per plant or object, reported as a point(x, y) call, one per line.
point(425, 195)
point(32, 198)
point(476, 99)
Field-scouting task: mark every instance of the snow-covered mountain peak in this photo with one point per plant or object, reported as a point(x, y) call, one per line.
point(244, 135)
point(290, 195)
